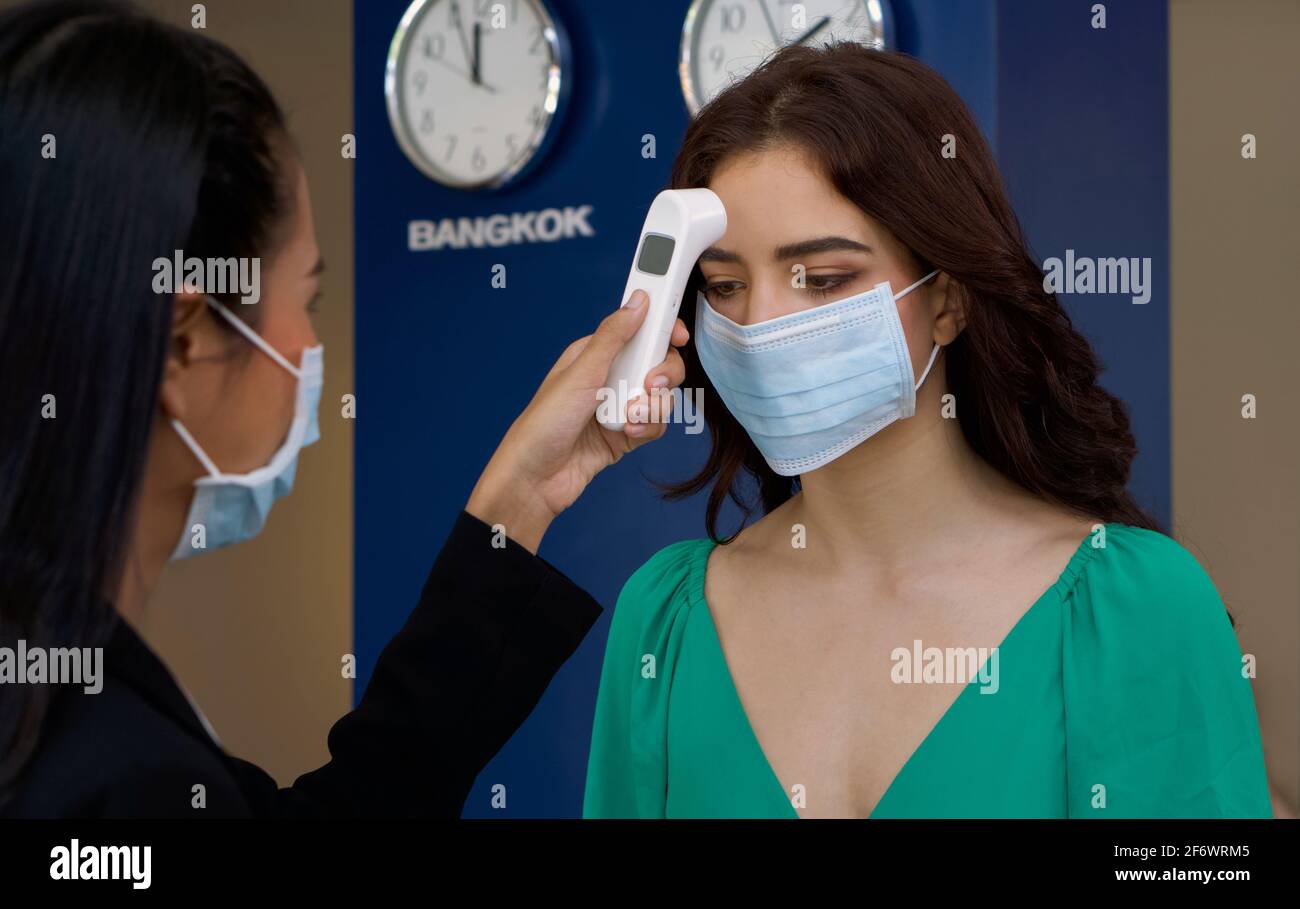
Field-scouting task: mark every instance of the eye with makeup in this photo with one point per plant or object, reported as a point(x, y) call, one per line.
point(313, 305)
point(818, 286)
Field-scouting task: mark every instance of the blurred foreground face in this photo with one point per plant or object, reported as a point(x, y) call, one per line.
point(239, 407)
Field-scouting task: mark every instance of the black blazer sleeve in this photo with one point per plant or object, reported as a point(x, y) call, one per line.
point(492, 627)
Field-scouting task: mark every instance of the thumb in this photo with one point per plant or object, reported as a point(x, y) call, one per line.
point(614, 332)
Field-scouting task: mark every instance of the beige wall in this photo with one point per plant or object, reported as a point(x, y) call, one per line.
point(256, 633)
point(1236, 322)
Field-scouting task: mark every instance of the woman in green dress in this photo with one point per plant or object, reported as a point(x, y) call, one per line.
point(950, 605)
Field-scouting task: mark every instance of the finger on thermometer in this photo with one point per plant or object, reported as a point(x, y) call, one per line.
point(668, 374)
point(680, 334)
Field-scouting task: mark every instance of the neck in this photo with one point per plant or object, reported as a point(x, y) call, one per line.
point(905, 496)
point(160, 517)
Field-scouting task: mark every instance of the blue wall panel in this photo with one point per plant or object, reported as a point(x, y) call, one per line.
point(1083, 139)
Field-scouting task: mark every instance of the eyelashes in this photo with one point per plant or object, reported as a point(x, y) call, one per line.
point(818, 286)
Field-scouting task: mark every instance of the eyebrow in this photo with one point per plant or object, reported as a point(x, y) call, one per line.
point(317, 268)
point(792, 250)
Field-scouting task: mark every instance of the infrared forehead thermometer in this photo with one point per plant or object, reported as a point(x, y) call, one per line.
point(680, 225)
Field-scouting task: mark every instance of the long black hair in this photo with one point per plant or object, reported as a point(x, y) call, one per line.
point(122, 139)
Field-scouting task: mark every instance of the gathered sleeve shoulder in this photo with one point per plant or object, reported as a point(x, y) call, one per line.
point(627, 770)
point(1160, 718)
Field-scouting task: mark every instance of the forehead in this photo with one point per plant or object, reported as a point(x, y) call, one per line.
point(298, 252)
point(780, 196)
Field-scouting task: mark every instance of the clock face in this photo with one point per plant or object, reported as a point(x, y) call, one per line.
point(473, 87)
point(723, 40)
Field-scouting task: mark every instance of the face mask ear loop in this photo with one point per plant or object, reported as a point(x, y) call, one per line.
point(911, 287)
point(194, 447)
point(934, 355)
point(935, 352)
point(253, 336)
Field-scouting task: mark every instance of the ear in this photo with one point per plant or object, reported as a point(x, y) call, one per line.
point(948, 301)
point(189, 319)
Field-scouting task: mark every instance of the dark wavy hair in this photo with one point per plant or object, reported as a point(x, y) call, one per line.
point(165, 140)
point(1026, 379)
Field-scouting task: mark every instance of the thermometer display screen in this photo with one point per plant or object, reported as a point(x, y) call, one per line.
point(656, 253)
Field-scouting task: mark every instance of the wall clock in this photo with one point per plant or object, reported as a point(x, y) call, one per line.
point(723, 40)
point(475, 88)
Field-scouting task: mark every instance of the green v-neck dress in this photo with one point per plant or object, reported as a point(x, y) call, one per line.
point(1121, 694)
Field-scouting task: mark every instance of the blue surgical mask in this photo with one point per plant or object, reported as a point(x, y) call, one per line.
point(233, 507)
point(811, 385)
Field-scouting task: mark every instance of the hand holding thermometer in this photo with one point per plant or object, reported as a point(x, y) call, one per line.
point(680, 225)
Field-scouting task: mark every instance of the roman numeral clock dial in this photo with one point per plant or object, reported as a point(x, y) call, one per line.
point(475, 88)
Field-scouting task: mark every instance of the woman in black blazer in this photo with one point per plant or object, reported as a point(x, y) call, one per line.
point(149, 417)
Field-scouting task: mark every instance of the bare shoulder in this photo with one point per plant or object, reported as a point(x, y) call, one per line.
point(1058, 532)
point(1030, 545)
point(1076, 528)
point(755, 553)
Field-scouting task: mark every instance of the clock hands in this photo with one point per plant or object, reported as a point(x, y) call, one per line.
point(474, 75)
point(771, 26)
point(776, 38)
point(460, 30)
point(464, 75)
point(478, 34)
point(812, 31)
